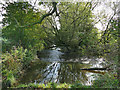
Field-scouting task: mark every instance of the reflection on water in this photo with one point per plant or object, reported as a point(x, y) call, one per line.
point(53, 66)
point(50, 55)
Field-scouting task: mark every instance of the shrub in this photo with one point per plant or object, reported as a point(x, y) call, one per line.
point(106, 81)
point(13, 64)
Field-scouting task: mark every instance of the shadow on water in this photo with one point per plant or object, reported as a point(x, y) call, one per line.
point(55, 66)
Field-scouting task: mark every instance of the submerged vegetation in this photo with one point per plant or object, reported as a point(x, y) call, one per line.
point(28, 30)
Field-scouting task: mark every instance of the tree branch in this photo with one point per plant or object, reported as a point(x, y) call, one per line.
point(106, 30)
point(43, 17)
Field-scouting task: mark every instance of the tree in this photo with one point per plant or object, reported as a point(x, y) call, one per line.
point(110, 39)
point(23, 21)
point(76, 28)
point(20, 14)
point(118, 43)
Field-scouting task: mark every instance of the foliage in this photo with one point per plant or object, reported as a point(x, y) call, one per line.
point(109, 38)
point(73, 30)
point(52, 85)
point(19, 14)
point(76, 29)
point(109, 80)
point(76, 32)
point(106, 81)
point(13, 64)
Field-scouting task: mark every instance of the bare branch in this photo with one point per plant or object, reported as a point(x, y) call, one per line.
point(81, 12)
point(108, 25)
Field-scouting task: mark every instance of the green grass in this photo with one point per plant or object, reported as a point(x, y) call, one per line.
point(51, 85)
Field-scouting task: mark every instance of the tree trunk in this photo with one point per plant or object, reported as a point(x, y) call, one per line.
point(104, 68)
point(94, 69)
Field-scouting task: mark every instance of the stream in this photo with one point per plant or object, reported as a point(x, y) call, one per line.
point(58, 67)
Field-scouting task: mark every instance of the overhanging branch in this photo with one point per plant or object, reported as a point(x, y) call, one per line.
point(43, 17)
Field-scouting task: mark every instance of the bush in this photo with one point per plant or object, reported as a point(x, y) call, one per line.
point(52, 85)
point(106, 81)
point(13, 64)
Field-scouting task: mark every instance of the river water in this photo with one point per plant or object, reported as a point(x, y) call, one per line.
point(55, 66)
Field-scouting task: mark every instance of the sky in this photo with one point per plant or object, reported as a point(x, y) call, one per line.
point(108, 12)
point(96, 11)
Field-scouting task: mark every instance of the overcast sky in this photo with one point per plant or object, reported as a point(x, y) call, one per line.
point(98, 12)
